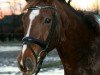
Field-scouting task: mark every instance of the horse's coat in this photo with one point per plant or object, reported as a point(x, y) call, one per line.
point(74, 36)
point(32, 16)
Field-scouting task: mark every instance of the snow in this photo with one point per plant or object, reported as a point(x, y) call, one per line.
point(9, 48)
point(8, 70)
point(53, 72)
point(8, 64)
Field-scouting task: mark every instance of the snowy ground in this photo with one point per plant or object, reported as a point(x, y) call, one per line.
point(15, 71)
point(8, 63)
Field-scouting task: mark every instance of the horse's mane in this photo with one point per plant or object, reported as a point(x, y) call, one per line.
point(88, 18)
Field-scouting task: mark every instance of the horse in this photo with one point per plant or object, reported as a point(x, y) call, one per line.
point(50, 24)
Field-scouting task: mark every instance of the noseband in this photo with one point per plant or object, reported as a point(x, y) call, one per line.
point(43, 44)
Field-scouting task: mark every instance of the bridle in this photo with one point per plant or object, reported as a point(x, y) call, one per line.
point(43, 44)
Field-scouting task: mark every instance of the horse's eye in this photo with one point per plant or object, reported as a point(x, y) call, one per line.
point(47, 20)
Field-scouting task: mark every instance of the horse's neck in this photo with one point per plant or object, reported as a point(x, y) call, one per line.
point(74, 42)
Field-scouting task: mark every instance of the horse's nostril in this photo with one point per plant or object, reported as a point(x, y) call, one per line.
point(28, 64)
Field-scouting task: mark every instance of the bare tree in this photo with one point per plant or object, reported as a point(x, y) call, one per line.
point(63, 0)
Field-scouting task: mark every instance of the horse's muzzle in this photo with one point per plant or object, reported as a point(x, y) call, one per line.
point(28, 67)
point(29, 64)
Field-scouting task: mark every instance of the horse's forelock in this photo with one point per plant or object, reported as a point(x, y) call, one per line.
point(29, 1)
point(43, 0)
point(32, 3)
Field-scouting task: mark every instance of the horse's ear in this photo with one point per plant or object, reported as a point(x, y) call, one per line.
point(47, 0)
point(63, 0)
point(69, 2)
point(29, 1)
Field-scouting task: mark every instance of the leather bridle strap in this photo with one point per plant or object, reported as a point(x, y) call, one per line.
point(41, 7)
point(43, 44)
point(27, 40)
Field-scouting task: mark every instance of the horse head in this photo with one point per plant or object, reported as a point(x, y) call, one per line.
point(50, 24)
point(40, 28)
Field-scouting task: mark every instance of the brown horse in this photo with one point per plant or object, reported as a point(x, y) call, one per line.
point(50, 24)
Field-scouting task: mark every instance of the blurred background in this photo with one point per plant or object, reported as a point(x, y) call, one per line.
point(87, 5)
point(10, 19)
point(11, 13)
point(11, 33)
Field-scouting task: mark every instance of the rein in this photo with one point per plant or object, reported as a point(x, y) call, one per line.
point(43, 44)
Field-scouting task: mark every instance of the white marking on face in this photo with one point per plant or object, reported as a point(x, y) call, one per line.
point(24, 48)
point(21, 62)
point(32, 16)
